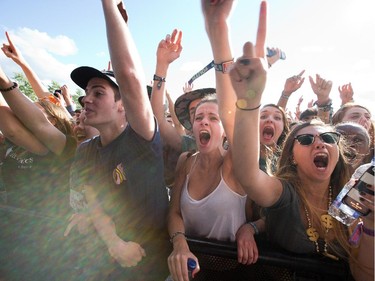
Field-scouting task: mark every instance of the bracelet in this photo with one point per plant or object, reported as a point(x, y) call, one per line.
point(159, 79)
point(175, 234)
point(368, 231)
point(327, 107)
point(284, 96)
point(224, 66)
point(256, 230)
point(244, 108)
point(15, 85)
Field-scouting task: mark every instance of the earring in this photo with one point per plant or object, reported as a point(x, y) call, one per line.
point(225, 143)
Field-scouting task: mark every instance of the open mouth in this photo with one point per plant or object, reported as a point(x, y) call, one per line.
point(268, 133)
point(204, 137)
point(350, 154)
point(80, 137)
point(321, 160)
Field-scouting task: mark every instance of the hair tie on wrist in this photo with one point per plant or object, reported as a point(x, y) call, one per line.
point(245, 108)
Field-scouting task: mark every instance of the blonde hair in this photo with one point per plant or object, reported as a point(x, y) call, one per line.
point(64, 122)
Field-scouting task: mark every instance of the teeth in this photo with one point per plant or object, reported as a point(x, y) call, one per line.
point(321, 155)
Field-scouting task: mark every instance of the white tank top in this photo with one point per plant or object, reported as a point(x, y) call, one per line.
point(217, 216)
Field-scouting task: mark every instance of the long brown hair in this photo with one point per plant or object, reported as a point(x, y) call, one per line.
point(287, 171)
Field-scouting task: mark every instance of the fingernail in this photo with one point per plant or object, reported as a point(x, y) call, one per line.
point(245, 61)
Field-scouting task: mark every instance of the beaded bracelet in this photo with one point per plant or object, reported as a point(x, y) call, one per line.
point(175, 234)
point(15, 85)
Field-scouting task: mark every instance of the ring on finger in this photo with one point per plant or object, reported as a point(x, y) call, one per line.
point(245, 61)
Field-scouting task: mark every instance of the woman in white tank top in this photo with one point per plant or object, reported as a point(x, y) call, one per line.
point(206, 199)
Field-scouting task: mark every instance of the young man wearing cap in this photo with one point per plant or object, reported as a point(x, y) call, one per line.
point(121, 170)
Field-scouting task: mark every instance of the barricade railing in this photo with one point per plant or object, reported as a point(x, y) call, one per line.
point(218, 261)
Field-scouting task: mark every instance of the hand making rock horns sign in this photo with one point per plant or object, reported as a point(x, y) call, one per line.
point(249, 73)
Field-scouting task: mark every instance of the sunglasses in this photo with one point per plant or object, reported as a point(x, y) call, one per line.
point(51, 98)
point(308, 139)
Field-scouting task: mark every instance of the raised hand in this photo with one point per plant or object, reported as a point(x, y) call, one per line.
point(298, 108)
point(321, 88)
point(11, 51)
point(249, 73)
point(188, 88)
point(169, 49)
point(293, 83)
point(346, 93)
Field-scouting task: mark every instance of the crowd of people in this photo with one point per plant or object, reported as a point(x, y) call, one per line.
point(112, 191)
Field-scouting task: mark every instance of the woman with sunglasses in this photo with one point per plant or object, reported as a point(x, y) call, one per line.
point(311, 172)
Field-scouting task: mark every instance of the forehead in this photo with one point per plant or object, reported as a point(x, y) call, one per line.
point(314, 130)
point(356, 110)
point(97, 83)
point(271, 110)
point(211, 107)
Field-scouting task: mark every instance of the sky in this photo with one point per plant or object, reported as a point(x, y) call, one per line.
point(334, 39)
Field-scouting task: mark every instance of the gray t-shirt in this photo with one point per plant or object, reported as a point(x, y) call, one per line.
point(284, 225)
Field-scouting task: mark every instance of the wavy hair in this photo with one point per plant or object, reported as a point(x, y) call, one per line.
point(64, 122)
point(287, 171)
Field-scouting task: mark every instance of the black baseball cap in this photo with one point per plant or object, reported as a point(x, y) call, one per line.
point(82, 75)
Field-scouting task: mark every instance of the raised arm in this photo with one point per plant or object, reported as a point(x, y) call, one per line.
point(17, 133)
point(216, 14)
point(322, 89)
point(128, 71)
point(177, 125)
point(13, 53)
point(169, 49)
point(31, 116)
point(291, 85)
point(248, 77)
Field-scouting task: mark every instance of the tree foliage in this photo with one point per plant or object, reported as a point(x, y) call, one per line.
point(26, 88)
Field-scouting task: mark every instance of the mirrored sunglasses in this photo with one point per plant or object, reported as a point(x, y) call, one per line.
point(328, 137)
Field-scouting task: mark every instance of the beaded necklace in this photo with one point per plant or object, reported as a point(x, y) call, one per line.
point(327, 222)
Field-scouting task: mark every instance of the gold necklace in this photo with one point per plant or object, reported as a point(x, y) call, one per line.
point(327, 222)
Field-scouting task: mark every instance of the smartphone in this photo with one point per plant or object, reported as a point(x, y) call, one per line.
point(271, 53)
point(57, 91)
point(351, 199)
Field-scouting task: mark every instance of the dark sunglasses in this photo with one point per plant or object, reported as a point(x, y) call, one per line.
point(308, 139)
